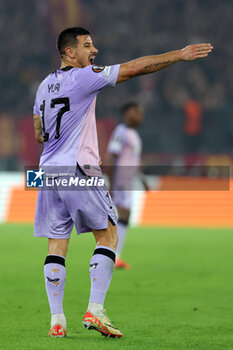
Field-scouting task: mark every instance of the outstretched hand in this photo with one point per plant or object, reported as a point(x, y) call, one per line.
point(192, 52)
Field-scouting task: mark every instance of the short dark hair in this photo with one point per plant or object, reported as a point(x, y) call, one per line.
point(128, 105)
point(69, 37)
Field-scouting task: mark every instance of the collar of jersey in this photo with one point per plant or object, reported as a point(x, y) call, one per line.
point(65, 69)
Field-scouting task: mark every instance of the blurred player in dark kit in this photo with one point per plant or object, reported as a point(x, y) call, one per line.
point(64, 121)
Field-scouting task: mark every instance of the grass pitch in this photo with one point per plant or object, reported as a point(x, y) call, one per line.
point(178, 294)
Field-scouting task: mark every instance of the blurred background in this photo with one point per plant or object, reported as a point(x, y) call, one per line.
point(188, 107)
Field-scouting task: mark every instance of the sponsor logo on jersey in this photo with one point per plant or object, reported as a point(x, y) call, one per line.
point(107, 70)
point(98, 69)
point(35, 178)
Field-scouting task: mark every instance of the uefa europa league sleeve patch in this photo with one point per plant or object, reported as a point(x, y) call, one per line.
point(98, 69)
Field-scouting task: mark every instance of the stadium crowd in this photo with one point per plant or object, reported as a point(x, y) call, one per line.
point(188, 108)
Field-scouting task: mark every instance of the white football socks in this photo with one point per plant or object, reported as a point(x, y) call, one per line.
point(58, 319)
point(95, 308)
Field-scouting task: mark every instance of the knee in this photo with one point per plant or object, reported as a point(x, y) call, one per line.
point(107, 237)
point(111, 240)
point(58, 246)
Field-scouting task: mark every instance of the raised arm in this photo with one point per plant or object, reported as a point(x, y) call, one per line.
point(151, 64)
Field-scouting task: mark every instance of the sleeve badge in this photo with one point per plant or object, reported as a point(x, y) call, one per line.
point(98, 69)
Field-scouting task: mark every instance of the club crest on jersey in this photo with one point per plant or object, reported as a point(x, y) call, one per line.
point(98, 69)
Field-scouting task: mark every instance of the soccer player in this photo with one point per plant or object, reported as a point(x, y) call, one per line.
point(64, 121)
point(123, 160)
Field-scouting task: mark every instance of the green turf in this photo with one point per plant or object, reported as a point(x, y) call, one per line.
point(178, 294)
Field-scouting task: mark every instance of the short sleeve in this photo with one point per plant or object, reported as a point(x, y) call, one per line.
point(117, 141)
point(36, 107)
point(38, 99)
point(95, 78)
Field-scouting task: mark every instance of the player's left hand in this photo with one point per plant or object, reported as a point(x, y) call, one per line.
point(192, 52)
